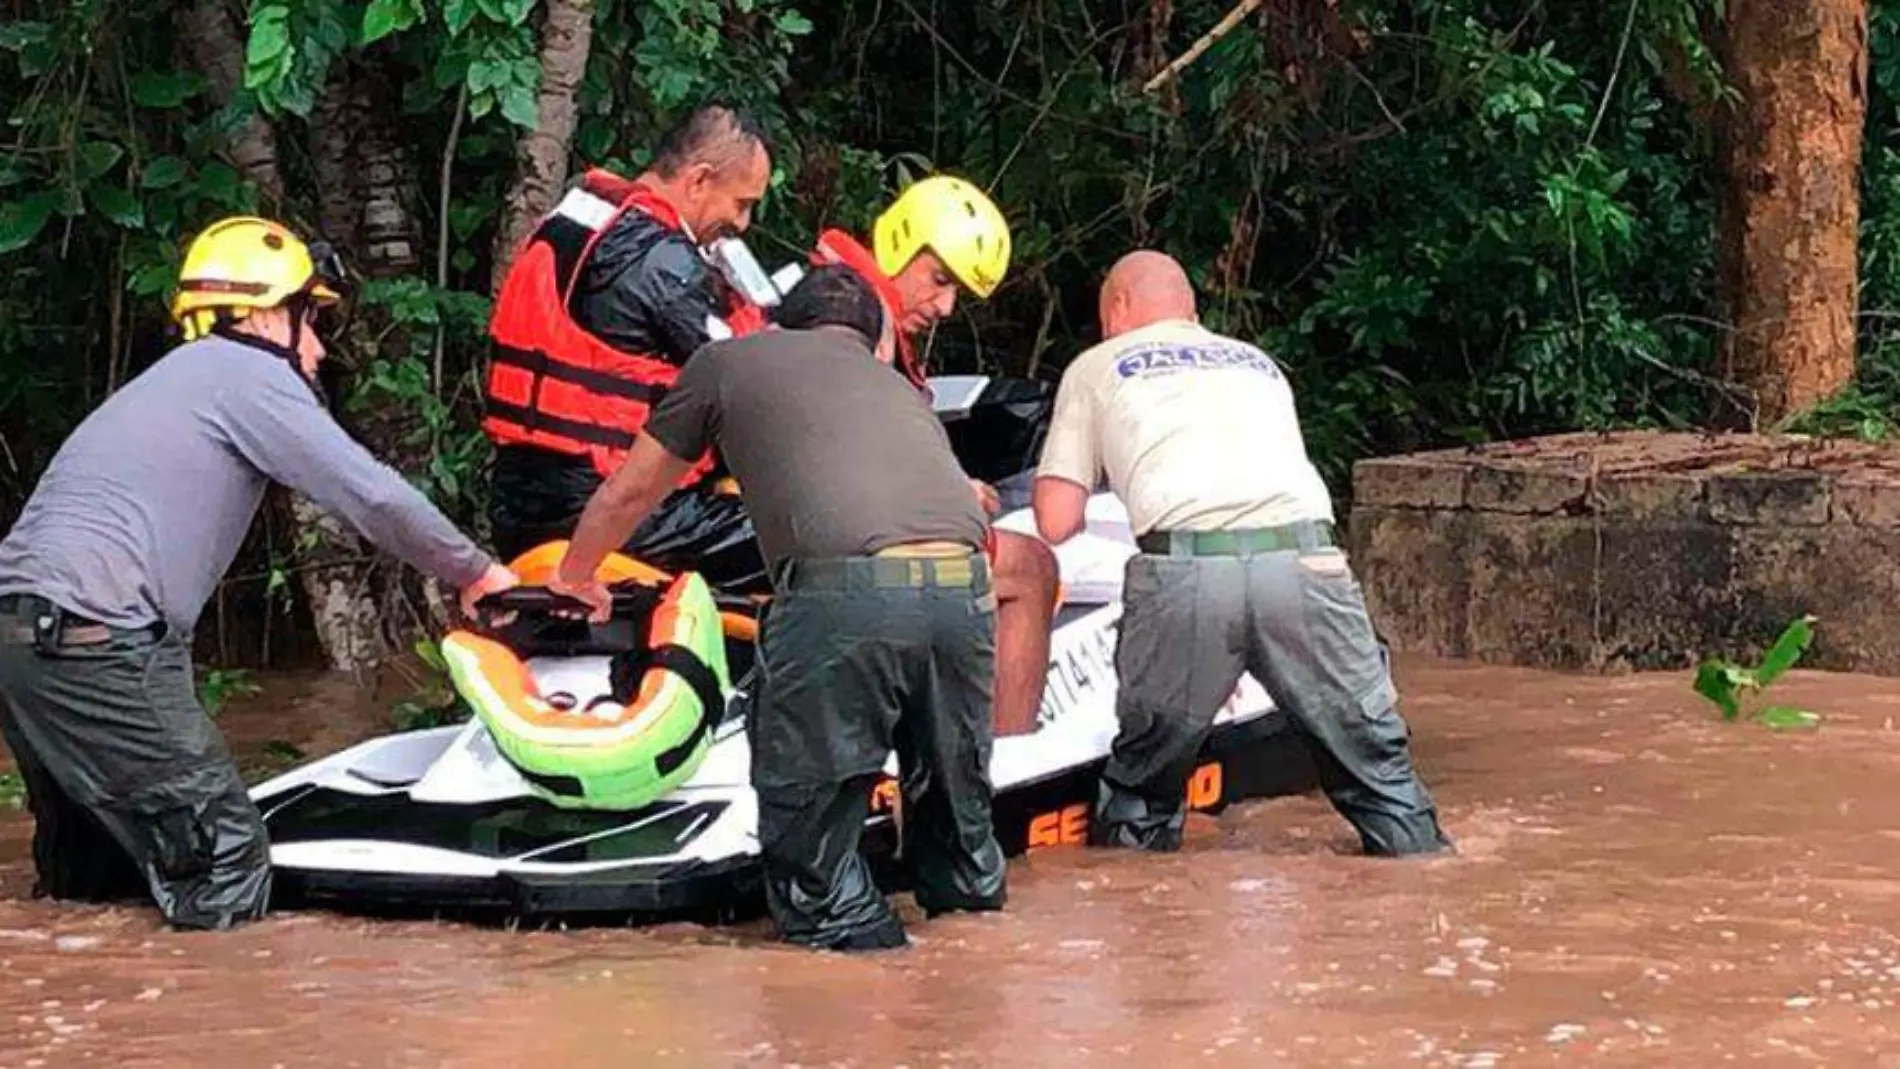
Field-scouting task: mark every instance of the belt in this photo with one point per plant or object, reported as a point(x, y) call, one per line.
point(971, 571)
point(1304, 535)
point(925, 549)
point(28, 619)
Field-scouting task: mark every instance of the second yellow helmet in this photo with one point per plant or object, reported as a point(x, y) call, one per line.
point(953, 219)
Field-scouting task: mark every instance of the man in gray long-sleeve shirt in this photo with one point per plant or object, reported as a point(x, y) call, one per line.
point(124, 540)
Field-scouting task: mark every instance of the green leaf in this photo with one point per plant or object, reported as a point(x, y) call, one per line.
point(793, 24)
point(457, 14)
point(95, 158)
point(22, 220)
point(518, 106)
point(219, 182)
point(15, 36)
point(507, 12)
point(594, 139)
point(485, 74)
point(279, 750)
point(384, 17)
point(163, 173)
point(1781, 717)
point(1786, 651)
point(1720, 682)
point(270, 39)
point(166, 89)
point(118, 205)
point(150, 280)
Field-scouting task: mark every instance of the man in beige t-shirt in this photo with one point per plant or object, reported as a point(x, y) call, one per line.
point(1238, 570)
point(1196, 432)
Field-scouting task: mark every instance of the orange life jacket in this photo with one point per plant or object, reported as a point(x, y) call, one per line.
point(553, 385)
point(838, 247)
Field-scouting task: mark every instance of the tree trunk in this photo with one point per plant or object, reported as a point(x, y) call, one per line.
point(1789, 211)
point(332, 122)
point(541, 154)
point(220, 58)
point(328, 555)
point(391, 235)
point(367, 175)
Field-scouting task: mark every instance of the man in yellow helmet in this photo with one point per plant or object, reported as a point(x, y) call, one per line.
point(940, 235)
point(126, 537)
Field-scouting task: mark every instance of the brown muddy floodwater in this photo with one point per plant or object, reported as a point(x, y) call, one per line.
point(1639, 884)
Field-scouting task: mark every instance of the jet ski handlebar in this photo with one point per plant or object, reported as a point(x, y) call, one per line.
point(540, 601)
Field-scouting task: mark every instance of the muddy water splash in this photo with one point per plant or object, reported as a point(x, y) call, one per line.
point(1638, 884)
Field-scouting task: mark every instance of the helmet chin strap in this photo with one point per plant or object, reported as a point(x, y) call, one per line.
point(296, 306)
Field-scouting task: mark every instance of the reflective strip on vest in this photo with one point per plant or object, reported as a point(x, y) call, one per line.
point(586, 209)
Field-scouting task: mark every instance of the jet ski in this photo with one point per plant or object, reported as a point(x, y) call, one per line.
point(441, 819)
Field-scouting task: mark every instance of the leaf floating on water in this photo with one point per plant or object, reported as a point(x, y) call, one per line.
point(1725, 683)
point(1781, 717)
point(1786, 651)
point(1721, 683)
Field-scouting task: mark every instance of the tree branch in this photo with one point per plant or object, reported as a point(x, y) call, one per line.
point(1220, 30)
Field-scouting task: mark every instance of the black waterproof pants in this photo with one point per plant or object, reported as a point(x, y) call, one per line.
point(1296, 620)
point(538, 496)
point(857, 657)
point(132, 789)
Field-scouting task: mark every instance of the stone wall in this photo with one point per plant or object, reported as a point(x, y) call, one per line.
point(1634, 550)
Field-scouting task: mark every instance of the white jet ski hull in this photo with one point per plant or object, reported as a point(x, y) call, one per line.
point(436, 818)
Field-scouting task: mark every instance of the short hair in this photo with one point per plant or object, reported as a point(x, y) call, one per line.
point(712, 133)
point(832, 295)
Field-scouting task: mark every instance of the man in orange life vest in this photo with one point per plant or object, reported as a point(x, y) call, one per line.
point(940, 234)
point(603, 304)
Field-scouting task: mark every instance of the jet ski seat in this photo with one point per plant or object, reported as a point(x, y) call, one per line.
point(624, 712)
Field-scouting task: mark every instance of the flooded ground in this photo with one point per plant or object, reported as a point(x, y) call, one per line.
point(1639, 884)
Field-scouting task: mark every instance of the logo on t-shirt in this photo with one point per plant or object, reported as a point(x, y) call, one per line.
point(1173, 357)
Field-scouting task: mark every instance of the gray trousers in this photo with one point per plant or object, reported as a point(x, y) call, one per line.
point(1296, 620)
point(858, 657)
point(132, 789)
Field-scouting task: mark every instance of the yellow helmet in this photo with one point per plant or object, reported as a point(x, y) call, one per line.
point(953, 219)
point(244, 262)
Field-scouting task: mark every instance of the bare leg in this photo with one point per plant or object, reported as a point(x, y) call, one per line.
point(1026, 580)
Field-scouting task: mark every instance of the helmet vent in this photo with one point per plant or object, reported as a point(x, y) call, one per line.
point(273, 242)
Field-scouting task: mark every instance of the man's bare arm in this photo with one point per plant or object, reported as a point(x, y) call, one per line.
point(1061, 508)
point(618, 507)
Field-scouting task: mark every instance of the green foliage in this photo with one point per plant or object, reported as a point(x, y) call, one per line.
point(1729, 685)
point(435, 702)
point(1449, 220)
point(217, 686)
point(276, 757)
point(12, 791)
point(292, 47)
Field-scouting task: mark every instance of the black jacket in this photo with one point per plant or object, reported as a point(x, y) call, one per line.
point(645, 289)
